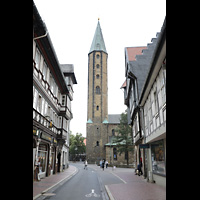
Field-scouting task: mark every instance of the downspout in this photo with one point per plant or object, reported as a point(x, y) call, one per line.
point(41, 36)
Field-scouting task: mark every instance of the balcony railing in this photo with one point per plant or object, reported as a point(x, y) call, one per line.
point(60, 132)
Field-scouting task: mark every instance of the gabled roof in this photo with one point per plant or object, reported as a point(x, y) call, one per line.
point(68, 70)
point(133, 51)
point(114, 118)
point(98, 41)
point(123, 85)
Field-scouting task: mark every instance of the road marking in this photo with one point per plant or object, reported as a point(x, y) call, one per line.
point(48, 194)
point(119, 177)
point(92, 194)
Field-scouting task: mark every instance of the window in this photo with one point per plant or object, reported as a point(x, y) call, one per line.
point(97, 90)
point(156, 102)
point(42, 106)
point(97, 56)
point(113, 132)
point(39, 106)
point(42, 158)
point(35, 98)
point(97, 76)
point(97, 66)
point(44, 71)
point(115, 154)
point(158, 157)
point(97, 143)
point(37, 59)
point(63, 100)
point(97, 107)
point(126, 155)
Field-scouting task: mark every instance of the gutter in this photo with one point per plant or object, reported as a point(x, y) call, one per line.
point(36, 38)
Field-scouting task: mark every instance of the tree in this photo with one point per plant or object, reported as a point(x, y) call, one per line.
point(124, 140)
point(76, 145)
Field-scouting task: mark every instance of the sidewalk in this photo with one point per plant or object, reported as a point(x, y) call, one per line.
point(49, 182)
point(134, 187)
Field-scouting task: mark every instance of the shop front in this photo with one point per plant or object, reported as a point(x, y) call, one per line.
point(158, 162)
point(42, 159)
point(44, 154)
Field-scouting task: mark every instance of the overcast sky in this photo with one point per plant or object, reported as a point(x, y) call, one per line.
point(72, 24)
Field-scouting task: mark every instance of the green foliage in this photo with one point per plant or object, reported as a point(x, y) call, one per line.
point(76, 144)
point(123, 139)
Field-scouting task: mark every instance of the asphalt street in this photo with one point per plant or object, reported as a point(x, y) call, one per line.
point(85, 185)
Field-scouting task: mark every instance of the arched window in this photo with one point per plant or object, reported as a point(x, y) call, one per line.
point(115, 154)
point(97, 66)
point(97, 76)
point(98, 90)
point(97, 143)
point(113, 132)
point(97, 107)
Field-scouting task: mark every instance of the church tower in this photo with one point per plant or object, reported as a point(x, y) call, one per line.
point(97, 107)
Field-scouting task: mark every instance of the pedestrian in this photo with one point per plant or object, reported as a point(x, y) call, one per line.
point(106, 164)
point(100, 163)
point(139, 167)
point(85, 163)
point(103, 162)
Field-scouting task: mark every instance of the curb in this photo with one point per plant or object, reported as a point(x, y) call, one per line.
point(109, 193)
point(67, 178)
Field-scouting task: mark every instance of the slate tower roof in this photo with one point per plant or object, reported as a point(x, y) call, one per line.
point(98, 41)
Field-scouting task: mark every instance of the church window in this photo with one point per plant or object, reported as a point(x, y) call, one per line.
point(97, 66)
point(97, 107)
point(115, 154)
point(97, 76)
point(97, 56)
point(113, 132)
point(98, 90)
point(97, 143)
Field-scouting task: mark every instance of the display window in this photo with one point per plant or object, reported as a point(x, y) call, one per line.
point(52, 159)
point(158, 157)
point(42, 158)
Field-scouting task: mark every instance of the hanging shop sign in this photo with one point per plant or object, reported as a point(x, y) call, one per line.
point(54, 141)
point(34, 131)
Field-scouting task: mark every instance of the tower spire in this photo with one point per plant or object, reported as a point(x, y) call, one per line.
point(98, 41)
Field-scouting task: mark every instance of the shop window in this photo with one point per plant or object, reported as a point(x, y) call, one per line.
point(42, 158)
point(158, 157)
point(115, 154)
point(52, 158)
